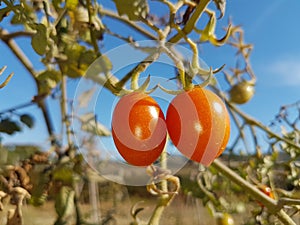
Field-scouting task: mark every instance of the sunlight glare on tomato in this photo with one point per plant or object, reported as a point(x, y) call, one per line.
point(139, 129)
point(198, 125)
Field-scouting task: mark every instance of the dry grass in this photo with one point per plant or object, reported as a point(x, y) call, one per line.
point(188, 211)
point(177, 213)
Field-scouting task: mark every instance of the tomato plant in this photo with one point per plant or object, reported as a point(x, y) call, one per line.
point(198, 124)
point(68, 41)
point(138, 129)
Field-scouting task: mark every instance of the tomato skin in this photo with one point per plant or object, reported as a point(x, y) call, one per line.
point(198, 125)
point(138, 129)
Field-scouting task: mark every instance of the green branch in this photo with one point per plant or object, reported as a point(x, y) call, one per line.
point(7, 36)
point(91, 28)
point(139, 29)
point(64, 110)
point(12, 45)
point(188, 28)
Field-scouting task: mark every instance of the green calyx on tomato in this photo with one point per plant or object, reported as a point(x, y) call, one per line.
point(242, 92)
point(138, 129)
point(225, 219)
point(198, 124)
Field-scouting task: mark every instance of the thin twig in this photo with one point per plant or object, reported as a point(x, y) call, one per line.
point(258, 124)
point(7, 36)
point(64, 110)
point(111, 14)
point(13, 46)
point(191, 22)
point(5, 82)
point(91, 28)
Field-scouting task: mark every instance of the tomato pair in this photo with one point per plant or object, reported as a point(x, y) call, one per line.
point(197, 122)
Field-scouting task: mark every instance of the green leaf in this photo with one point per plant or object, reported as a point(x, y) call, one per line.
point(18, 10)
point(95, 128)
point(16, 19)
point(81, 15)
point(104, 64)
point(64, 202)
point(209, 30)
point(39, 39)
point(27, 120)
point(80, 59)
point(39, 180)
point(86, 59)
point(47, 80)
point(71, 67)
point(134, 9)
point(221, 5)
point(71, 4)
point(208, 34)
point(89, 124)
point(63, 173)
point(100, 65)
point(57, 4)
point(9, 127)
point(74, 51)
point(85, 97)
point(72, 70)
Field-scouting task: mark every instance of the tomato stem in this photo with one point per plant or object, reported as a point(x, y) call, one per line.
point(122, 19)
point(178, 63)
point(64, 110)
point(164, 166)
point(134, 74)
point(164, 199)
point(188, 28)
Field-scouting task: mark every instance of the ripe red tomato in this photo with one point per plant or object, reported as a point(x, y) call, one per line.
point(139, 129)
point(267, 191)
point(198, 124)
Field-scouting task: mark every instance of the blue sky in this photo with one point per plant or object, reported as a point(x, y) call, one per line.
point(272, 26)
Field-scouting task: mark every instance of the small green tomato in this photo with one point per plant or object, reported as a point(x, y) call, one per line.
point(225, 219)
point(241, 92)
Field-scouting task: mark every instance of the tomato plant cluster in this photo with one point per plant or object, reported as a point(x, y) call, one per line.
point(197, 122)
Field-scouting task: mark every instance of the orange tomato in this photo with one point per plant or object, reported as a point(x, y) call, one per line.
point(138, 129)
point(198, 124)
